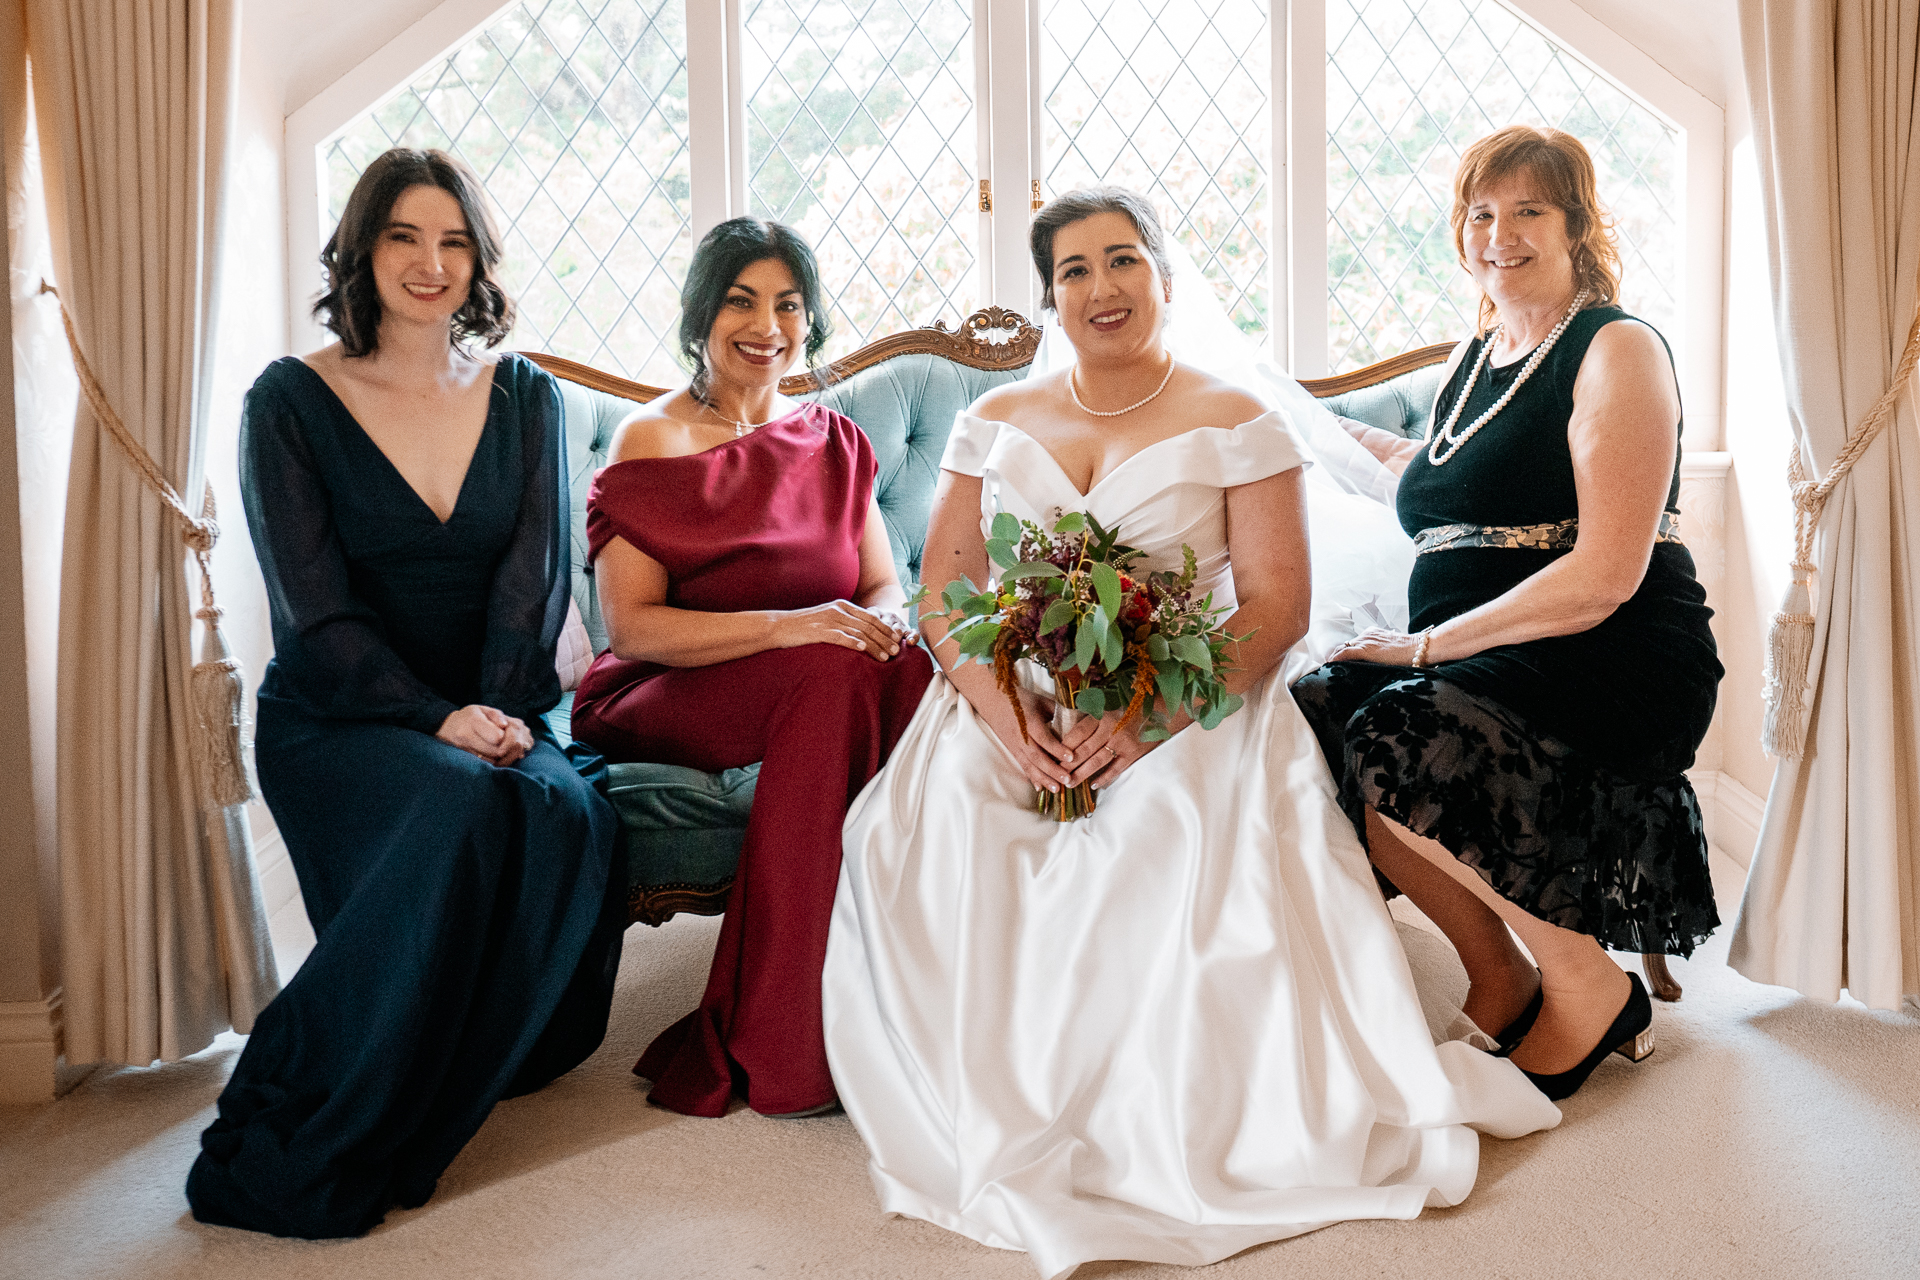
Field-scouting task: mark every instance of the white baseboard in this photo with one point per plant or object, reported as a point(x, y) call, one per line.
point(1732, 812)
point(31, 1040)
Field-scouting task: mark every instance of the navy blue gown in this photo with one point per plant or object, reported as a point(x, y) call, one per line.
point(468, 917)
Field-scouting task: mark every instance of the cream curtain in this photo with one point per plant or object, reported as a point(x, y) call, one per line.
point(164, 940)
point(1833, 897)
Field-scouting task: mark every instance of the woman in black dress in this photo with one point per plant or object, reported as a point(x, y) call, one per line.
point(1517, 762)
point(407, 500)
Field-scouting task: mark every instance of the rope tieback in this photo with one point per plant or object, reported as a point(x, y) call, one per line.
point(1790, 635)
point(218, 686)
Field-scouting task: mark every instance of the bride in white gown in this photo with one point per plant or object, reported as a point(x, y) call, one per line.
point(1183, 1025)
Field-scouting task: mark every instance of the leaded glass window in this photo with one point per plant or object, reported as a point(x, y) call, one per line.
point(861, 135)
point(1411, 84)
point(1171, 98)
point(574, 114)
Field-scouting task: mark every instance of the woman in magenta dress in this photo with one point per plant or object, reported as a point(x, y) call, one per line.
point(753, 614)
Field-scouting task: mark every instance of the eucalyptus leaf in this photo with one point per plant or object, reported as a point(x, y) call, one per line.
point(1083, 645)
point(1091, 702)
point(1002, 552)
point(979, 640)
point(1154, 733)
point(1058, 615)
point(1116, 700)
point(1157, 647)
point(1172, 684)
point(1192, 650)
point(1072, 522)
point(1006, 527)
point(1106, 583)
point(1034, 569)
point(1111, 650)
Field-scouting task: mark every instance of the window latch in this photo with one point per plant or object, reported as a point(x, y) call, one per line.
point(1038, 203)
point(986, 195)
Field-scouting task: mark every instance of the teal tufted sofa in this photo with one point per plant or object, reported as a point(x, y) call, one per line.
point(684, 827)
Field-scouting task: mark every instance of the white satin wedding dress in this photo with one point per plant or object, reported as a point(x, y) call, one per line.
point(1167, 1032)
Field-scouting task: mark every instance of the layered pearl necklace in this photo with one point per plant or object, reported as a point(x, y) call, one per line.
point(1114, 413)
point(1445, 435)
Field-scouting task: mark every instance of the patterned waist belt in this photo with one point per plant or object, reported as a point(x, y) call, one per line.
point(1532, 537)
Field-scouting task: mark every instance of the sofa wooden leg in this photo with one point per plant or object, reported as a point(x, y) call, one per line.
point(1659, 981)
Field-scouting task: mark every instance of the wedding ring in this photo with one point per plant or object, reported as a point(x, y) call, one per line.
point(1111, 755)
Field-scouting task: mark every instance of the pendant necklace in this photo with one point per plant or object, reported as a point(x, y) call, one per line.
point(1445, 434)
point(1114, 413)
point(739, 428)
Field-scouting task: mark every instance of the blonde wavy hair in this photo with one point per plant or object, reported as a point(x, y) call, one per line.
point(1562, 173)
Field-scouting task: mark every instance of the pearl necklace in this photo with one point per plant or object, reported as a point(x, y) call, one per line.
point(1114, 413)
point(1445, 434)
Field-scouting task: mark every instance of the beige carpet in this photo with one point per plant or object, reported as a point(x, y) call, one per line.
point(1768, 1136)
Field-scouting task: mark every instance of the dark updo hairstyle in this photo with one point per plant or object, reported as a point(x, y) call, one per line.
point(724, 253)
point(351, 305)
point(1063, 211)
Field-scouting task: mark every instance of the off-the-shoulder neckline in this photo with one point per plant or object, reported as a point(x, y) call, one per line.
point(798, 410)
point(1125, 462)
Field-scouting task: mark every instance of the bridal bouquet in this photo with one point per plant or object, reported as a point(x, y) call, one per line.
point(1071, 601)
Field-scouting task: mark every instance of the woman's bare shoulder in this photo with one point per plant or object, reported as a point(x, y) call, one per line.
point(1012, 400)
point(650, 431)
point(1215, 401)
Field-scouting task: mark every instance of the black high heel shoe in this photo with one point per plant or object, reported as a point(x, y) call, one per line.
point(1630, 1036)
point(1516, 1031)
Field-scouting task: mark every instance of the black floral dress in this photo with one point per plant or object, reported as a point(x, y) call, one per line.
point(1554, 768)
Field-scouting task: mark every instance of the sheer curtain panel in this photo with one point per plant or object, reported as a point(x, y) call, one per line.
point(164, 942)
point(1833, 897)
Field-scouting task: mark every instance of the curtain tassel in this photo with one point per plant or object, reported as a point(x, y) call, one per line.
point(1783, 733)
point(217, 686)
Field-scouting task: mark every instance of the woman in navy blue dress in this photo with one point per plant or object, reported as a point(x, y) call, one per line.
point(407, 500)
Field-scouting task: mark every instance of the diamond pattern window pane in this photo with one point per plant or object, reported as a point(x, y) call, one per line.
point(574, 114)
point(861, 135)
point(1410, 85)
point(1171, 98)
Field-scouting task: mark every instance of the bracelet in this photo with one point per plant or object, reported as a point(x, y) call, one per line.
point(1420, 650)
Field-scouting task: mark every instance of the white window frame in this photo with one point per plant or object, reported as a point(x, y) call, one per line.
point(1008, 108)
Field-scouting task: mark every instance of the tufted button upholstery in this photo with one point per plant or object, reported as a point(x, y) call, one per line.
point(591, 417)
point(906, 406)
point(1401, 405)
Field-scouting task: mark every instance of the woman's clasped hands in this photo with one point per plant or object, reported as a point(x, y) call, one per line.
point(877, 632)
point(1097, 749)
point(494, 736)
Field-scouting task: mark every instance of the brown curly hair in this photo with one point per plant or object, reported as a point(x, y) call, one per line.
point(350, 307)
point(1562, 173)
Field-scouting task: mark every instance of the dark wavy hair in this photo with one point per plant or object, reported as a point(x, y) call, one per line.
point(350, 307)
point(1064, 211)
point(724, 253)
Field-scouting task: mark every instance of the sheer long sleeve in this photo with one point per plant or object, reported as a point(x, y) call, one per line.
point(527, 604)
point(331, 654)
